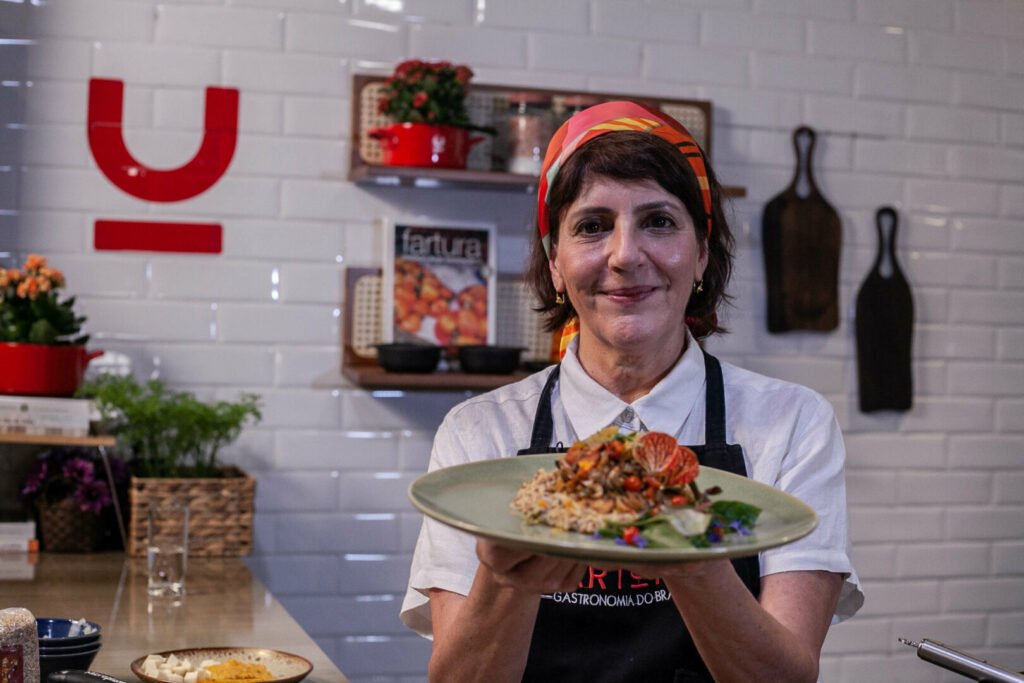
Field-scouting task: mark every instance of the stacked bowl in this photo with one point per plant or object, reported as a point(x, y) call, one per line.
point(66, 644)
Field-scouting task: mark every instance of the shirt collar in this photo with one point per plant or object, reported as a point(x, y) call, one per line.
point(666, 408)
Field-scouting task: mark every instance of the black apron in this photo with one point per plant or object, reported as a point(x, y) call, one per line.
point(617, 626)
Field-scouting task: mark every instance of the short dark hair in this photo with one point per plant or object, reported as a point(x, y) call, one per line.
point(633, 156)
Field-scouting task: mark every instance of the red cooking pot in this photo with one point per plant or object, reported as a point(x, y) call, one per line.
point(424, 144)
point(43, 369)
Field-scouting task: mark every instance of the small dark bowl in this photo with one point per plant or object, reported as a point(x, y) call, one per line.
point(401, 357)
point(489, 360)
point(45, 649)
point(57, 632)
point(78, 661)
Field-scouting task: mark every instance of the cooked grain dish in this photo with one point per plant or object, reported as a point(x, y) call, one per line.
point(609, 477)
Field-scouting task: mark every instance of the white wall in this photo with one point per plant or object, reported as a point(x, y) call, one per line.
point(918, 103)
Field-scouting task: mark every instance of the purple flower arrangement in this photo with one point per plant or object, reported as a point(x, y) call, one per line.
point(75, 473)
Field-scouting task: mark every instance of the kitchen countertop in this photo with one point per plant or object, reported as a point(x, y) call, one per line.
point(225, 605)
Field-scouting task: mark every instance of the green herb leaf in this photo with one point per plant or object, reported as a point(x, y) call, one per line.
point(735, 511)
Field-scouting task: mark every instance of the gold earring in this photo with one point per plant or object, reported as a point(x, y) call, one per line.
point(559, 298)
point(698, 286)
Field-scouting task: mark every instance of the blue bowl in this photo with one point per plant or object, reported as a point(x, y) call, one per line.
point(79, 661)
point(66, 631)
point(45, 648)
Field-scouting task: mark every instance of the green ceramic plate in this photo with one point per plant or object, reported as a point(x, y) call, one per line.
point(475, 498)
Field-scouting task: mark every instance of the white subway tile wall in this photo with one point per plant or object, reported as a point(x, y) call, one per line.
point(917, 104)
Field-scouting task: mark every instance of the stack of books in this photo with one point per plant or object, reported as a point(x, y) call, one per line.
point(19, 551)
point(18, 537)
point(44, 416)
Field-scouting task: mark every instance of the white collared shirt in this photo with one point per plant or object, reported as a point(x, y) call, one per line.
point(789, 435)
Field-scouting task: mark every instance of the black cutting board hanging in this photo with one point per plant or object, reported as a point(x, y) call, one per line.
point(885, 327)
point(801, 238)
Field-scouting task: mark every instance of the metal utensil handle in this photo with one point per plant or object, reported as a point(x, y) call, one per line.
point(964, 664)
point(78, 676)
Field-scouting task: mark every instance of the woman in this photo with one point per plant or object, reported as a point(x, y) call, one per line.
point(633, 250)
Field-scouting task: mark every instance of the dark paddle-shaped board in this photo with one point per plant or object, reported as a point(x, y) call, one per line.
point(885, 327)
point(801, 238)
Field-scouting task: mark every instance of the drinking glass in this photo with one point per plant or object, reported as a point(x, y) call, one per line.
point(167, 548)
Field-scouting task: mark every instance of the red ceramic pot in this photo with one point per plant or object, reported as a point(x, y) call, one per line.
point(424, 144)
point(43, 369)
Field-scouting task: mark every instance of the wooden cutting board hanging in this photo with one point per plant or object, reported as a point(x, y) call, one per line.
point(885, 327)
point(801, 238)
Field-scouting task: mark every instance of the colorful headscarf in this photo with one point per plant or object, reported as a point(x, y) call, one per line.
point(606, 118)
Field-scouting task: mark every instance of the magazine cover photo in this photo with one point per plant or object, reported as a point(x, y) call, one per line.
point(439, 283)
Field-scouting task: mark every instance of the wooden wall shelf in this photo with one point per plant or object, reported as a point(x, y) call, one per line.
point(376, 377)
point(438, 178)
point(363, 370)
point(485, 104)
point(47, 440)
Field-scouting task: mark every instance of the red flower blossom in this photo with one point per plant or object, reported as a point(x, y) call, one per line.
point(419, 99)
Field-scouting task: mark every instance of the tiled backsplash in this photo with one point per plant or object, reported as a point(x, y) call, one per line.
point(918, 105)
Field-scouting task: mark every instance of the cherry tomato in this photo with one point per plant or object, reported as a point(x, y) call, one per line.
point(633, 483)
point(629, 534)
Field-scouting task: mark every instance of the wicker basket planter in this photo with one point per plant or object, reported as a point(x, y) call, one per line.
point(66, 529)
point(220, 512)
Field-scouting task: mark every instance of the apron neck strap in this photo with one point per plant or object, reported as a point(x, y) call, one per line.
point(714, 421)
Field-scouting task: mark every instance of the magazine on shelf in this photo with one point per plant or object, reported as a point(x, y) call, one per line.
point(439, 283)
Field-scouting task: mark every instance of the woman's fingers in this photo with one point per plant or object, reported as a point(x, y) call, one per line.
point(529, 572)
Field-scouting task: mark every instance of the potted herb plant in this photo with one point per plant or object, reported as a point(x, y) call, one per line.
point(42, 349)
point(427, 102)
point(69, 491)
point(171, 440)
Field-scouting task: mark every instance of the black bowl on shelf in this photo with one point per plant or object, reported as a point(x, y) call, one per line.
point(489, 360)
point(406, 357)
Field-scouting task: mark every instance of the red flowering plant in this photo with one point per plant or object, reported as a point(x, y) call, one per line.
point(75, 473)
point(427, 92)
point(31, 311)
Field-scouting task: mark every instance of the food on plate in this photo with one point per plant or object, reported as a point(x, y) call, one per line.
point(234, 671)
point(174, 669)
point(639, 489)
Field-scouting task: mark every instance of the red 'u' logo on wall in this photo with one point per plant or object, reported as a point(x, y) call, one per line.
point(106, 140)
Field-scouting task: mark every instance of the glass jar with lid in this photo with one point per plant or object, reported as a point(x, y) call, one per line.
point(574, 104)
point(530, 125)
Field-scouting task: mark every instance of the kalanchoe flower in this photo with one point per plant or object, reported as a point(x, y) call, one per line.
point(35, 479)
point(93, 496)
point(73, 473)
point(419, 91)
point(80, 469)
point(31, 310)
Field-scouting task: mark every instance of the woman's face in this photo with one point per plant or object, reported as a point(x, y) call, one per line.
point(627, 257)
